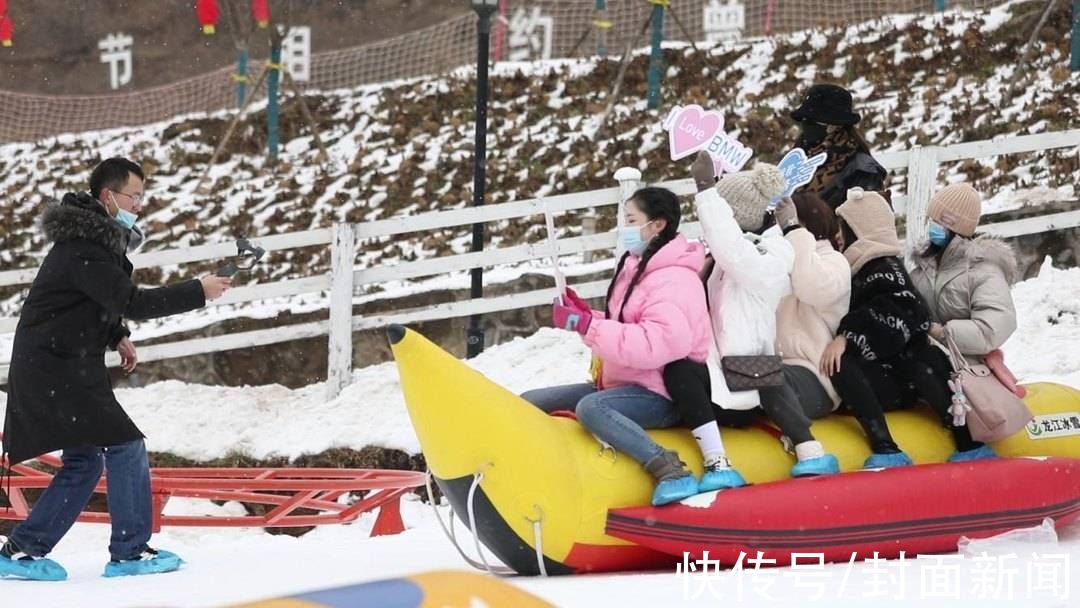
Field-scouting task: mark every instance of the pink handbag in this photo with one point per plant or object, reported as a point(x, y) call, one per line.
point(990, 409)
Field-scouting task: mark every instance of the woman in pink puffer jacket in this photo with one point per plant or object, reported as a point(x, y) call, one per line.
point(655, 314)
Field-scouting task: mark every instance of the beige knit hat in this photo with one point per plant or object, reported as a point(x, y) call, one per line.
point(871, 219)
point(749, 193)
point(957, 207)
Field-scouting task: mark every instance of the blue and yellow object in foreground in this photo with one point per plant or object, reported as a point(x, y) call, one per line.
point(542, 482)
point(428, 590)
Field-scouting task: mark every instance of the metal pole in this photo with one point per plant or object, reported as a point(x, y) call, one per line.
point(656, 62)
point(241, 77)
point(475, 342)
point(272, 102)
point(1075, 65)
point(602, 25)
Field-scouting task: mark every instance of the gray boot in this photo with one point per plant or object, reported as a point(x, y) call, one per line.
point(667, 466)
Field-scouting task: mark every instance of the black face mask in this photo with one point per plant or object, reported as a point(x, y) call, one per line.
point(813, 133)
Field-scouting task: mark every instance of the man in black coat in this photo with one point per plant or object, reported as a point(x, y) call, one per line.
point(60, 395)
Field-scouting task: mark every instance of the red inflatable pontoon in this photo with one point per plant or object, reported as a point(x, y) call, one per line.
point(923, 509)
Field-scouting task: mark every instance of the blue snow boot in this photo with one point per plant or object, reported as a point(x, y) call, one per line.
point(720, 476)
point(821, 465)
point(983, 452)
point(150, 561)
point(673, 481)
point(674, 490)
point(887, 461)
point(15, 563)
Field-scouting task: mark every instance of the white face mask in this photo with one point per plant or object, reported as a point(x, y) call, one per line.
point(633, 240)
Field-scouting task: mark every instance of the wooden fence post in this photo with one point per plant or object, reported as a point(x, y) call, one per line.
point(921, 184)
point(339, 363)
point(630, 182)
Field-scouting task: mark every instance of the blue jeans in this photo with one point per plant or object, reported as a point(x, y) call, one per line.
point(618, 416)
point(129, 500)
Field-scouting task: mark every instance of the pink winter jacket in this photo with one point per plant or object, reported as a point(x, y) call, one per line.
point(665, 320)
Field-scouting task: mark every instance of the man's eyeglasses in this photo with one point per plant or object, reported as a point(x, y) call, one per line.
point(137, 198)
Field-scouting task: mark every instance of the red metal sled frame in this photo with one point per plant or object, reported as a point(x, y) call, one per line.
point(285, 489)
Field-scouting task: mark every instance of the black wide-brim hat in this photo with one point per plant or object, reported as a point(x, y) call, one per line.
point(827, 104)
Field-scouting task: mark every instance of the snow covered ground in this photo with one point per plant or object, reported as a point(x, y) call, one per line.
point(226, 566)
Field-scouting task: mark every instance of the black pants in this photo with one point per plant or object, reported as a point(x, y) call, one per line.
point(869, 389)
point(691, 392)
point(812, 397)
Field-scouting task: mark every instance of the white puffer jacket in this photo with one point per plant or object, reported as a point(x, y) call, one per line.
point(745, 288)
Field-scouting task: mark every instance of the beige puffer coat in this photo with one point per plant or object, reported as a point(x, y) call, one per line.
point(969, 292)
point(820, 294)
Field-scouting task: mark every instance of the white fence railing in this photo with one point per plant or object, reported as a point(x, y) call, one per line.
point(922, 164)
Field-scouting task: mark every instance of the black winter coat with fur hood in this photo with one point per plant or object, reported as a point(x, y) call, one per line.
point(59, 391)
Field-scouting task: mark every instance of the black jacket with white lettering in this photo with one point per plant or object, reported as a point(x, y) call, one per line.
point(886, 311)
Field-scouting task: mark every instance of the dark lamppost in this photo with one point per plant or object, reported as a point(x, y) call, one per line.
point(484, 10)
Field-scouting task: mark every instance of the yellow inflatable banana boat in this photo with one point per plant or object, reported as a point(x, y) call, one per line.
point(522, 466)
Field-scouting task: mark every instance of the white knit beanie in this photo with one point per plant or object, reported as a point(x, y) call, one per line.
point(749, 193)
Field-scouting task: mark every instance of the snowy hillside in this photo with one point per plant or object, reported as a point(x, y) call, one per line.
point(406, 147)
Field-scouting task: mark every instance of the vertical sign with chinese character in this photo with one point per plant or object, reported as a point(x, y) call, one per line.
point(116, 51)
point(724, 20)
point(296, 53)
point(530, 34)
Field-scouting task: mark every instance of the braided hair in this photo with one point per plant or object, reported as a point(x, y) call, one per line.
point(656, 204)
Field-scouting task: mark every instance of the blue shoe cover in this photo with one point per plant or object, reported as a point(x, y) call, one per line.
point(164, 561)
point(887, 461)
point(720, 479)
point(32, 569)
point(674, 490)
point(822, 465)
point(983, 452)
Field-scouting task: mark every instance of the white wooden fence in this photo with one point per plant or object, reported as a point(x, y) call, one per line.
point(922, 165)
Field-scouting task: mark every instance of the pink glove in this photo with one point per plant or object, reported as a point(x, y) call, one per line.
point(575, 300)
point(995, 360)
point(571, 317)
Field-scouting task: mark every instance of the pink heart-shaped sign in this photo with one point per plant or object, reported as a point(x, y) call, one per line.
point(690, 129)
